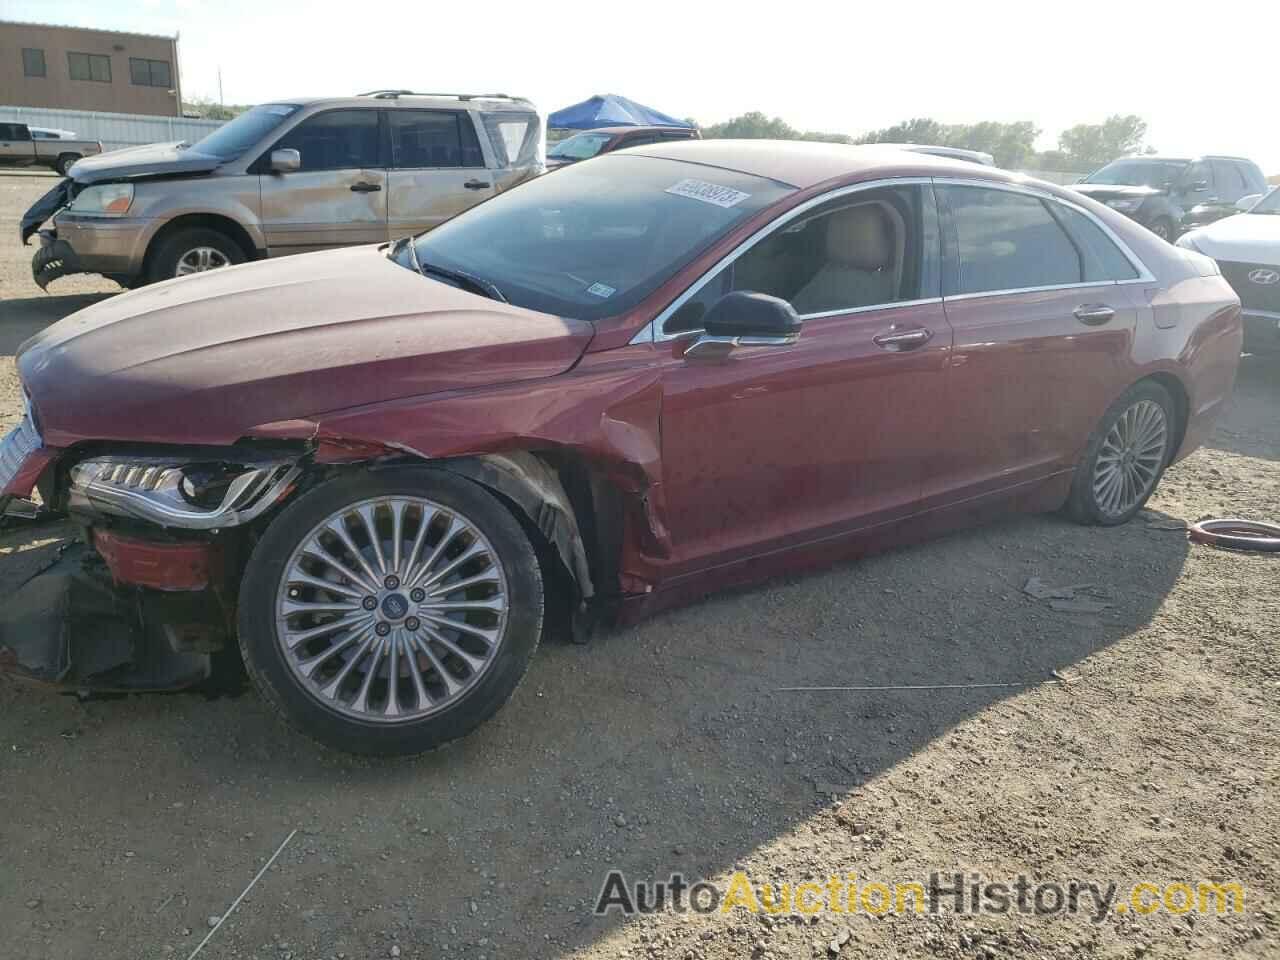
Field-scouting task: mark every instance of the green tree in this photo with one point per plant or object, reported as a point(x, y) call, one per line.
point(1093, 144)
point(752, 126)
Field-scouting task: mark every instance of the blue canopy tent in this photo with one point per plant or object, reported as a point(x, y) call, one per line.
point(610, 111)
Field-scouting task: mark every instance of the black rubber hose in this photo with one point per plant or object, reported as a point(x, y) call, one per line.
point(1237, 534)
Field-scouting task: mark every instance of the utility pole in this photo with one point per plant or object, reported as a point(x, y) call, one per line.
point(220, 102)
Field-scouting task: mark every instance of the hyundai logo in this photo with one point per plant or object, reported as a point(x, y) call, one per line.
point(1264, 277)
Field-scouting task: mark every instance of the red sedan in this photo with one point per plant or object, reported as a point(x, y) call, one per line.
point(383, 471)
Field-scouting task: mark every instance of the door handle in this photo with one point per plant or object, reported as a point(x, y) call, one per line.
point(906, 340)
point(1094, 314)
point(363, 187)
point(477, 185)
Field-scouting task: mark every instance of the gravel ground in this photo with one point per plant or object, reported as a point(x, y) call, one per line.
point(127, 824)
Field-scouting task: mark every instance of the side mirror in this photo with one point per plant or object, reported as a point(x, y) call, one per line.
point(1245, 204)
point(745, 319)
point(285, 161)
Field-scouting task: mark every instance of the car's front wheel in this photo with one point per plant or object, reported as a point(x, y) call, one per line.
point(1125, 457)
point(64, 162)
point(389, 613)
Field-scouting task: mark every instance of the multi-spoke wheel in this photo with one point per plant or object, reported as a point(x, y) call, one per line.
point(390, 613)
point(1125, 457)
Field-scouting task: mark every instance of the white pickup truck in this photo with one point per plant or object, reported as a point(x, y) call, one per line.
point(21, 146)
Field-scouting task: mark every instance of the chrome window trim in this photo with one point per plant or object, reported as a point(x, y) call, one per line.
point(1047, 288)
point(652, 331)
point(1144, 274)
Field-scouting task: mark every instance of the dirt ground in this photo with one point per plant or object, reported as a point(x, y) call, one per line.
point(126, 824)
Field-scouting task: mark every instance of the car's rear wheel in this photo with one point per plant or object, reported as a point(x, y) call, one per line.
point(64, 162)
point(1125, 457)
point(194, 251)
point(391, 613)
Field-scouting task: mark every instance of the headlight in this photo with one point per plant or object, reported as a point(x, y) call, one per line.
point(105, 200)
point(202, 495)
point(1127, 205)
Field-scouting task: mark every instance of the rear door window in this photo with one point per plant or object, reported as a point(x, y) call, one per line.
point(1231, 184)
point(335, 140)
point(433, 139)
point(1007, 241)
point(1103, 260)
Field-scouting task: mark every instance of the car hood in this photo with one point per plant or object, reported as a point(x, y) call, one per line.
point(152, 160)
point(1107, 191)
point(1244, 238)
point(205, 359)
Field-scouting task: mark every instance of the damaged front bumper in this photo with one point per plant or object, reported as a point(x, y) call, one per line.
point(54, 259)
point(73, 626)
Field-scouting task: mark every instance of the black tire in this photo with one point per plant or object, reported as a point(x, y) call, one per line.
point(164, 263)
point(1083, 502)
point(1163, 228)
point(276, 680)
point(64, 162)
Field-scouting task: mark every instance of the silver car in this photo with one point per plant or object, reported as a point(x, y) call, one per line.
point(282, 178)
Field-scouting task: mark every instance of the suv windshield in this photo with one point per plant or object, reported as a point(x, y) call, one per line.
point(1138, 173)
point(594, 239)
point(236, 136)
point(581, 146)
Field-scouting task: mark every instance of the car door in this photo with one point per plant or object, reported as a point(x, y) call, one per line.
point(337, 197)
point(437, 169)
point(1042, 305)
point(16, 147)
point(775, 446)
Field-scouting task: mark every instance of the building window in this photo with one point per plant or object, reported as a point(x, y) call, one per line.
point(32, 62)
point(90, 66)
point(149, 73)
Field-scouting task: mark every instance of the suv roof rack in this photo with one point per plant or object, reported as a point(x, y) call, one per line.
point(394, 94)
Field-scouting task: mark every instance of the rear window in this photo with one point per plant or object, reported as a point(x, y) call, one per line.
point(515, 137)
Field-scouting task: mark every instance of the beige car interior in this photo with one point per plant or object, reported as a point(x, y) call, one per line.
point(861, 250)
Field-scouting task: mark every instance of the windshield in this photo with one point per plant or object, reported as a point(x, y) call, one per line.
point(1268, 204)
point(594, 239)
point(581, 146)
point(236, 136)
point(1138, 173)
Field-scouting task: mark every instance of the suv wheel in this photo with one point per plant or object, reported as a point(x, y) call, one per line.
point(194, 251)
point(390, 613)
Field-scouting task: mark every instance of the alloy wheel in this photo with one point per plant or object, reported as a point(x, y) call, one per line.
point(1130, 458)
point(392, 609)
point(200, 259)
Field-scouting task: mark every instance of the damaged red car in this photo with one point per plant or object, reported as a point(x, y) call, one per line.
point(383, 473)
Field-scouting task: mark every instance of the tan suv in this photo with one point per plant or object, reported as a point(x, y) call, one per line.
point(285, 178)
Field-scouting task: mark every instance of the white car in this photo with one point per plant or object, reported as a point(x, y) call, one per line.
point(1247, 248)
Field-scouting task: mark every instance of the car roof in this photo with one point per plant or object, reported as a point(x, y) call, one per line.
point(802, 164)
point(449, 101)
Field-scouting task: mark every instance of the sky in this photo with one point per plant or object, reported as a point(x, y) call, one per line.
point(837, 67)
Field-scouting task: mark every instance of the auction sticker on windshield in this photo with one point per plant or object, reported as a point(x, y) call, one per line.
point(708, 192)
